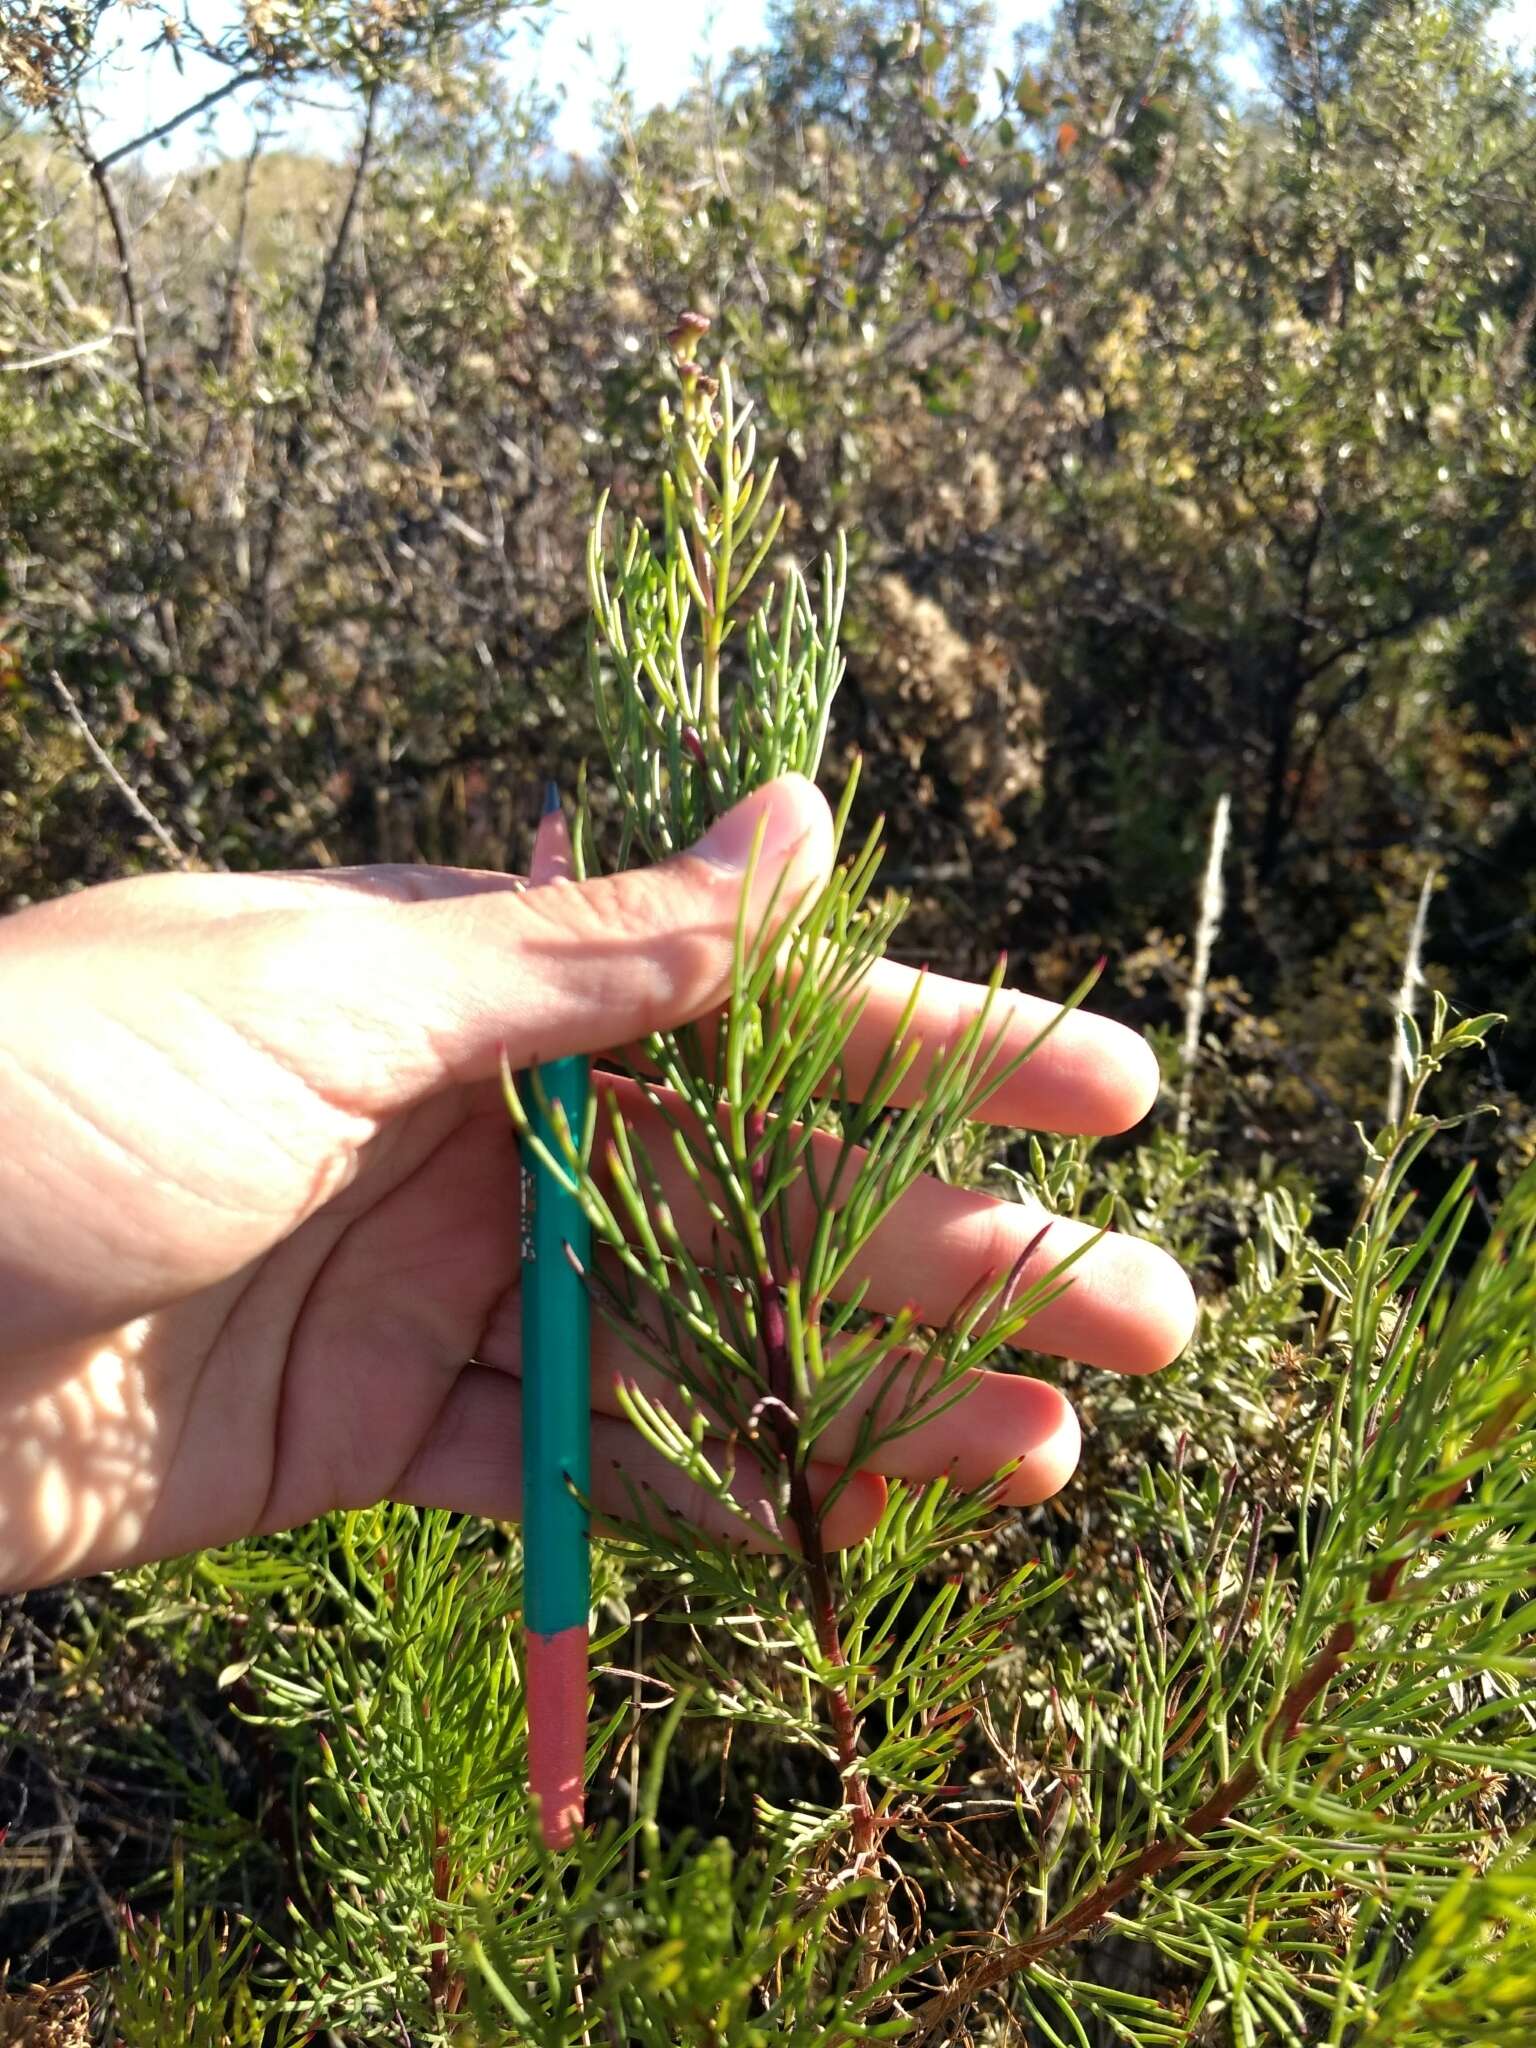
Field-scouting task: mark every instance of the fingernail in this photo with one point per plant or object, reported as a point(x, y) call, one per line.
point(728, 842)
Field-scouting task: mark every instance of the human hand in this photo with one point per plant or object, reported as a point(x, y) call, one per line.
point(258, 1194)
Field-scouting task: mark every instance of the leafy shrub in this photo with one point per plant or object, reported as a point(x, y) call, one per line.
point(1180, 451)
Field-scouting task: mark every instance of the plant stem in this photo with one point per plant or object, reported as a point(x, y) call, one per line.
point(445, 1985)
point(1165, 1850)
point(821, 1602)
point(822, 1606)
point(1156, 1857)
point(295, 445)
point(712, 624)
point(114, 774)
point(133, 297)
point(208, 101)
point(1372, 1196)
point(1211, 904)
point(133, 301)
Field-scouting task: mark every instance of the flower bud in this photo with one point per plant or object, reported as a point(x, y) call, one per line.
point(687, 331)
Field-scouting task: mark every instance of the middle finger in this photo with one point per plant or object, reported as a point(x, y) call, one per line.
point(1128, 1306)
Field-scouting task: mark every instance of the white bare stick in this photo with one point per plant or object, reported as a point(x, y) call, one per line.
point(113, 773)
point(63, 355)
point(1212, 897)
point(1407, 998)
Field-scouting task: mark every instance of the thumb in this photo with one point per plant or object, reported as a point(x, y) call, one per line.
point(580, 967)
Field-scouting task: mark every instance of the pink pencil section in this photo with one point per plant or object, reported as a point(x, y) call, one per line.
point(555, 1676)
point(552, 859)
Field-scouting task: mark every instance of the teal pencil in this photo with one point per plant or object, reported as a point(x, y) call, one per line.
point(557, 1420)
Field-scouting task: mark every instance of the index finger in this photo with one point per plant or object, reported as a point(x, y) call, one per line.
point(1089, 1078)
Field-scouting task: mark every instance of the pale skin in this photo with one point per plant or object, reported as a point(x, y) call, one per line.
point(258, 1196)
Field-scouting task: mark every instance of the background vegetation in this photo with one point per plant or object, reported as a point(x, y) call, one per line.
point(1183, 449)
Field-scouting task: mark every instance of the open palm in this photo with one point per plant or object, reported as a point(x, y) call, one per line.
point(258, 1191)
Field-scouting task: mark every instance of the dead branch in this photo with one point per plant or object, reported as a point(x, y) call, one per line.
point(114, 775)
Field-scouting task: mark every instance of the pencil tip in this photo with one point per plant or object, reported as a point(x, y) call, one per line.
point(551, 797)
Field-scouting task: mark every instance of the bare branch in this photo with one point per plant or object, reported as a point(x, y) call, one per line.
point(325, 317)
point(209, 99)
point(128, 277)
point(114, 775)
point(66, 355)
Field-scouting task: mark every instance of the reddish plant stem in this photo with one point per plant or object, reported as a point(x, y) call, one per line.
point(1166, 1850)
point(823, 1611)
point(1214, 1813)
point(772, 1320)
point(1155, 1858)
point(445, 1985)
point(821, 1602)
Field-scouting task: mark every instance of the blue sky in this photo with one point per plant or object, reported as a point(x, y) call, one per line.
point(661, 40)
